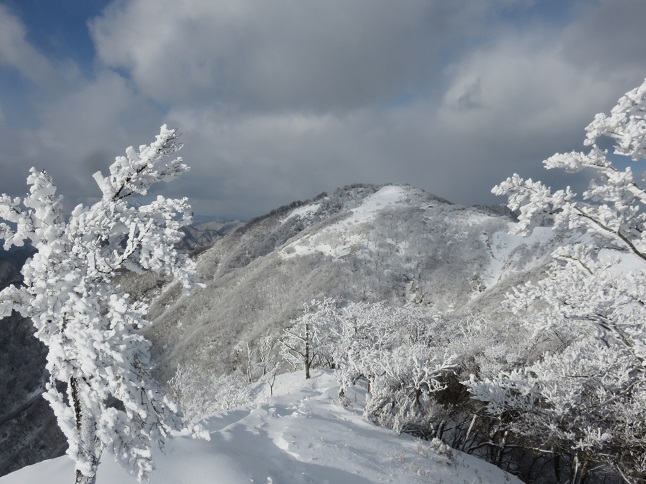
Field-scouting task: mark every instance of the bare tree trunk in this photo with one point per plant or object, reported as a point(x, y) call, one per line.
point(579, 469)
point(440, 429)
point(307, 351)
point(88, 444)
point(466, 438)
point(501, 448)
point(271, 382)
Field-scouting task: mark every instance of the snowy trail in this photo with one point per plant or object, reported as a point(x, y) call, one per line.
point(300, 436)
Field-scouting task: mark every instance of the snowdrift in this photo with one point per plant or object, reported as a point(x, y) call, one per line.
point(301, 435)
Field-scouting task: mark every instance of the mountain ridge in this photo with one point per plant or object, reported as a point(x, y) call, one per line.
point(393, 243)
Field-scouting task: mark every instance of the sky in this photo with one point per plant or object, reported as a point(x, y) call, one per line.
point(280, 100)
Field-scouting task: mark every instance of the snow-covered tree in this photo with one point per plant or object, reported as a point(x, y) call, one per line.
point(367, 331)
point(584, 403)
point(393, 349)
point(268, 363)
point(100, 386)
point(588, 283)
point(581, 399)
point(262, 360)
point(309, 337)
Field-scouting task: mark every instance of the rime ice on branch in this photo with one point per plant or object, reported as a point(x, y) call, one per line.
point(586, 399)
point(100, 387)
point(610, 213)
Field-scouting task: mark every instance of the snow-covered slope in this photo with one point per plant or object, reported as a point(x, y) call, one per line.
point(362, 243)
point(301, 435)
point(28, 430)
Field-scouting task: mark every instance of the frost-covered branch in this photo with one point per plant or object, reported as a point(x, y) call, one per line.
point(587, 399)
point(100, 387)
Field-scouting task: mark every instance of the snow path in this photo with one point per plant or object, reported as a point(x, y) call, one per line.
point(299, 436)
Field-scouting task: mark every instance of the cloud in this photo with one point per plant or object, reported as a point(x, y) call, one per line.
point(301, 55)
point(79, 132)
point(83, 130)
point(607, 37)
point(281, 101)
point(508, 104)
point(17, 53)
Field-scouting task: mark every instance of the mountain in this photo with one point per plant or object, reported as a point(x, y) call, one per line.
point(301, 435)
point(392, 243)
point(202, 235)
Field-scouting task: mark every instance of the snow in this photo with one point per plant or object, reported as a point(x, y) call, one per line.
point(303, 211)
point(350, 226)
point(503, 251)
point(300, 435)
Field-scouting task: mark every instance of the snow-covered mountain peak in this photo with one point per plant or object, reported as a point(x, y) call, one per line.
point(350, 230)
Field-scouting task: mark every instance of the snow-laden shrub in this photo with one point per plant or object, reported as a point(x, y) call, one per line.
point(390, 347)
point(200, 394)
point(404, 382)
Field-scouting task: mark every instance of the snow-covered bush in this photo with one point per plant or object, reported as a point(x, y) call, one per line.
point(405, 381)
point(100, 387)
point(577, 403)
point(393, 349)
point(201, 393)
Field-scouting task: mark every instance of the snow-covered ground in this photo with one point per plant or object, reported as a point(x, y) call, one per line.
point(301, 435)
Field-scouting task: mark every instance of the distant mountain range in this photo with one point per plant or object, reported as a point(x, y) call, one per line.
point(202, 235)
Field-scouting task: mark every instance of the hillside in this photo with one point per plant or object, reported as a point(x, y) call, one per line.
point(392, 243)
point(28, 430)
point(301, 435)
point(201, 235)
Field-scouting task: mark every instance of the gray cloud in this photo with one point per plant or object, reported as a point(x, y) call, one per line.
point(305, 55)
point(280, 102)
point(607, 36)
point(78, 133)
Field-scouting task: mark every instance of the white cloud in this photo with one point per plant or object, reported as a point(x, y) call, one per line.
point(522, 85)
point(17, 53)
